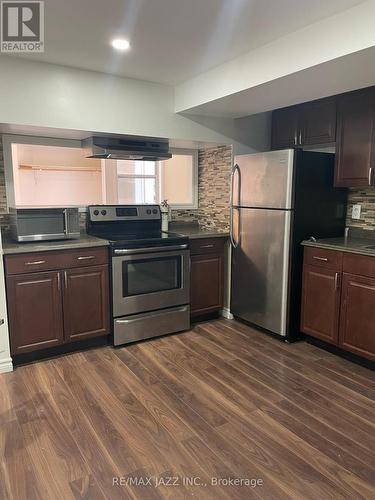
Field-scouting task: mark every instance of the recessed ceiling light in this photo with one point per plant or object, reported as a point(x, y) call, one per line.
point(120, 44)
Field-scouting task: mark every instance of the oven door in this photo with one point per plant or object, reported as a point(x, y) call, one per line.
point(149, 279)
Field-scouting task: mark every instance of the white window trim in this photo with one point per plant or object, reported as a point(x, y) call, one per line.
point(194, 204)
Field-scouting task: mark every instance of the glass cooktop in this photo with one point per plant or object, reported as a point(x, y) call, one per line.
point(133, 240)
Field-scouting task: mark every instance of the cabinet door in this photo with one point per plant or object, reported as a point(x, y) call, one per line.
point(86, 303)
point(206, 283)
point(318, 122)
point(355, 121)
point(320, 303)
point(357, 324)
point(285, 128)
point(35, 311)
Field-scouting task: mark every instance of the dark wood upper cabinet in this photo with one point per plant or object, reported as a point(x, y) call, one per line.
point(354, 152)
point(318, 122)
point(307, 124)
point(321, 303)
point(35, 311)
point(285, 128)
point(357, 325)
point(86, 302)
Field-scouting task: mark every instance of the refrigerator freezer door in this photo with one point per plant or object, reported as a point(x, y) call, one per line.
point(260, 268)
point(264, 180)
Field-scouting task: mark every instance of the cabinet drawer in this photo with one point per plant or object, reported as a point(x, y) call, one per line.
point(359, 265)
point(86, 257)
point(33, 262)
point(207, 245)
point(329, 259)
point(49, 261)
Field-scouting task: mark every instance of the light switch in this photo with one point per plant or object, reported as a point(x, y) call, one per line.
point(356, 212)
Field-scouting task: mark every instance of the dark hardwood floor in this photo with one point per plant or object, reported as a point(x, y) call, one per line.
point(221, 401)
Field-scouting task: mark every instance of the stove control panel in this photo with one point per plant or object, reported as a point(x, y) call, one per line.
point(110, 213)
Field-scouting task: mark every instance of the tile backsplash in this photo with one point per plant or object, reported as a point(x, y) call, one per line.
point(214, 167)
point(366, 198)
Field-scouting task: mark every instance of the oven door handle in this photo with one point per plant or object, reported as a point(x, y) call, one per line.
point(130, 251)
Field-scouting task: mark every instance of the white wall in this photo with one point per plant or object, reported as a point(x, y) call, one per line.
point(48, 96)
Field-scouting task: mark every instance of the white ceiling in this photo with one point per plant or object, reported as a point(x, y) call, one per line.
point(172, 40)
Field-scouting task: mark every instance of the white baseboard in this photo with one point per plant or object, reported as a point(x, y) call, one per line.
point(6, 365)
point(226, 313)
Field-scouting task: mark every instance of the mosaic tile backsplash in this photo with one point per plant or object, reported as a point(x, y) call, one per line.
point(366, 198)
point(214, 167)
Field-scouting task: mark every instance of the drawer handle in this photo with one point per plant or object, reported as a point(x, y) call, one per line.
point(2, 321)
point(207, 246)
point(322, 259)
point(35, 263)
point(89, 257)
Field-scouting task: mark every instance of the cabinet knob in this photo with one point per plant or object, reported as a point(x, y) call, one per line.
point(2, 321)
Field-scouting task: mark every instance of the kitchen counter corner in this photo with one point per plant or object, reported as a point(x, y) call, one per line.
point(85, 241)
point(361, 246)
point(194, 231)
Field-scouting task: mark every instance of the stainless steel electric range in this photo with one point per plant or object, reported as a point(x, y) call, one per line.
point(149, 270)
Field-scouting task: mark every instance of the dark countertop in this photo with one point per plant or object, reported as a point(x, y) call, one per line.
point(85, 241)
point(194, 231)
point(350, 244)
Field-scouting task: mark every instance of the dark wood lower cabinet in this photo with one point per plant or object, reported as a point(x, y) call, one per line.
point(52, 307)
point(338, 300)
point(320, 303)
point(86, 311)
point(207, 276)
point(206, 284)
point(35, 311)
point(357, 328)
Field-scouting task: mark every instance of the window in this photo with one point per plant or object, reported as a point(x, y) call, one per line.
point(137, 182)
point(152, 182)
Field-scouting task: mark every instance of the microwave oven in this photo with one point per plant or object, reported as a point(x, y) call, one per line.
point(43, 224)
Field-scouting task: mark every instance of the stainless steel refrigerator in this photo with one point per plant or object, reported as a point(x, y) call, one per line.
point(278, 199)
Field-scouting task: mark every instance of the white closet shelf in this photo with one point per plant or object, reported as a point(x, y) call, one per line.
point(57, 168)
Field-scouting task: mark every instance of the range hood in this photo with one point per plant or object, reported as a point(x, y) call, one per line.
point(128, 148)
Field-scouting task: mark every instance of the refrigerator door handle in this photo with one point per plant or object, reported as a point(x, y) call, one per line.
point(235, 169)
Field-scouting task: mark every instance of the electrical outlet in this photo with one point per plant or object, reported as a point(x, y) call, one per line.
point(356, 212)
